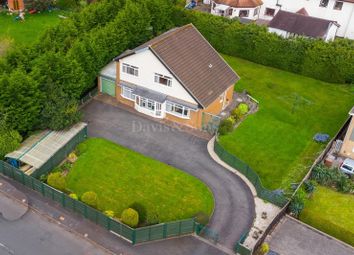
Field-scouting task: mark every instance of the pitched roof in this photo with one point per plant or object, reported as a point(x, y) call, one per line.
point(240, 3)
point(303, 12)
point(301, 24)
point(193, 61)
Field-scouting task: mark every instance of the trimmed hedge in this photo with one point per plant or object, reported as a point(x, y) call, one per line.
point(330, 62)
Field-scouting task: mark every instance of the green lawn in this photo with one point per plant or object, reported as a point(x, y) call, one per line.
point(277, 140)
point(331, 212)
point(28, 31)
point(121, 177)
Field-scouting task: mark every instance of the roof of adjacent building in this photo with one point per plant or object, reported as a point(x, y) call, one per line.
point(301, 24)
point(39, 148)
point(303, 12)
point(193, 61)
point(240, 3)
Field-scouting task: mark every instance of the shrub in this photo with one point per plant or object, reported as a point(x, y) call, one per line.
point(89, 198)
point(309, 186)
point(243, 108)
point(141, 211)
point(202, 218)
point(264, 248)
point(344, 184)
point(74, 196)
point(153, 218)
point(322, 175)
point(297, 203)
point(57, 181)
point(226, 126)
point(109, 213)
point(130, 217)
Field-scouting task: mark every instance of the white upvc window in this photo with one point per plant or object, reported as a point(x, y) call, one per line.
point(129, 69)
point(178, 110)
point(127, 93)
point(163, 79)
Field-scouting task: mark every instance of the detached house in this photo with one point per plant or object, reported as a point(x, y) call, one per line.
point(176, 76)
point(245, 9)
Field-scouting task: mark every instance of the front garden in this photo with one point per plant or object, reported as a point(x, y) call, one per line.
point(331, 212)
point(113, 178)
point(276, 141)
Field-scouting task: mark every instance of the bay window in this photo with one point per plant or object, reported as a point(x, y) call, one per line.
point(177, 109)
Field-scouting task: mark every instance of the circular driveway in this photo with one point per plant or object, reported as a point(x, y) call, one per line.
point(234, 204)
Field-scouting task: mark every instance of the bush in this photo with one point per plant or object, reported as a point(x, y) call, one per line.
point(309, 186)
point(323, 175)
point(141, 211)
point(344, 184)
point(297, 203)
point(226, 126)
point(264, 248)
point(153, 218)
point(74, 196)
point(90, 198)
point(243, 108)
point(202, 218)
point(9, 140)
point(130, 217)
point(109, 213)
point(57, 181)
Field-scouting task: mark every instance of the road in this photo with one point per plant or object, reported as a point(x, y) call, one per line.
point(34, 234)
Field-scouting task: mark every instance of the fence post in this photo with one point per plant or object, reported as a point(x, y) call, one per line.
point(42, 189)
point(63, 199)
point(180, 227)
point(134, 236)
point(164, 230)
point(23, 177)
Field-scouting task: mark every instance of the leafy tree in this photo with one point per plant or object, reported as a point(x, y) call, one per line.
point(59, 110)
point(9, 139)
point(20, 100)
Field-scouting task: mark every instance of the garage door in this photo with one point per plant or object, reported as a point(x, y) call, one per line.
point(108, 87)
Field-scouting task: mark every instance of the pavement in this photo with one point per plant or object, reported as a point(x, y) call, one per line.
point(13, 204)
point(292, 237)
point(234, 204)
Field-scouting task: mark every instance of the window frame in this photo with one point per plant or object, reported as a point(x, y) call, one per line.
point(158, 77)
point(171, 109)
point(134, 70)
point(244, 16)
point(255, 12)
point(230, 11)
point(125, 89)
point(324, 3)
point(266, 12)
point(335, 7)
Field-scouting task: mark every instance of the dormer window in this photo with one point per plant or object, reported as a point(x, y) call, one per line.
point(163, 79)
point(324, 3)
point(129, 69)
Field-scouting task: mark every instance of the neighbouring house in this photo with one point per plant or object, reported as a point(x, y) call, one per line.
point(288, 24)
point(263, 11)
point(177, 76)
point(347, 149)
point(243, 9)
point(16, 5)
point(340, 11)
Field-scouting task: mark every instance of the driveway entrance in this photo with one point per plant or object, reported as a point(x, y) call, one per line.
point(234, 204)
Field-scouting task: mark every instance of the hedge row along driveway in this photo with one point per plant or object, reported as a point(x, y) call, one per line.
point(121, 177)
point(277, 140)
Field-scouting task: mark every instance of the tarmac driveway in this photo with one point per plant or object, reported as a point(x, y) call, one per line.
point(234, 204)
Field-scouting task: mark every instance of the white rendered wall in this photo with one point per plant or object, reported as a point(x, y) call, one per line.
point(148, 65)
